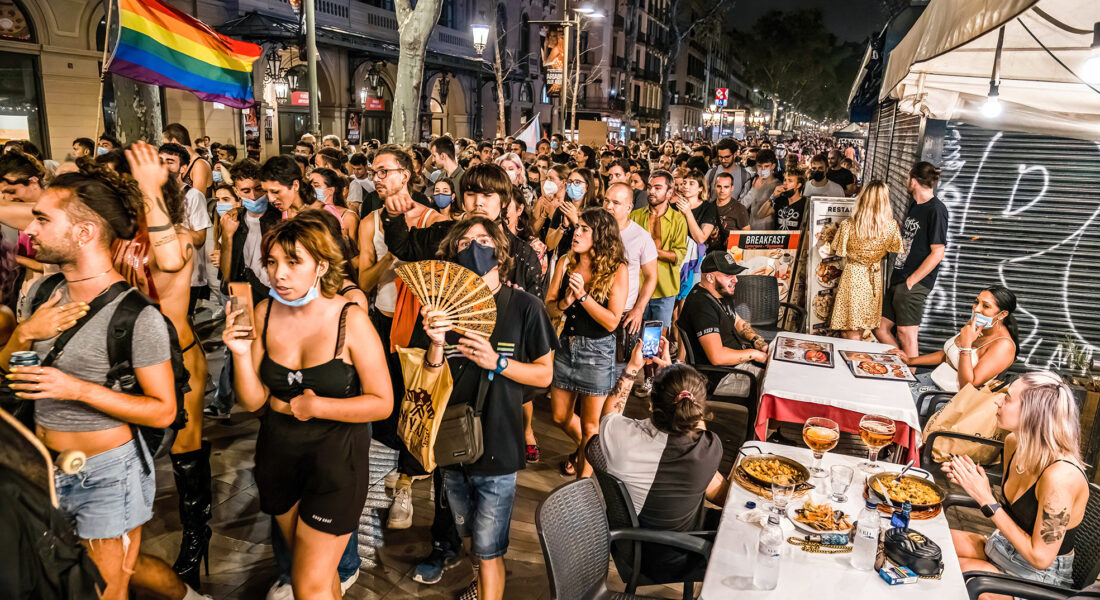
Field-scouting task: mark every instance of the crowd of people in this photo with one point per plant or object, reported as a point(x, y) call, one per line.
point(580, 246)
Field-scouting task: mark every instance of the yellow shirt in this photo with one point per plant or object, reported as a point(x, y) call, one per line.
point(674, 233)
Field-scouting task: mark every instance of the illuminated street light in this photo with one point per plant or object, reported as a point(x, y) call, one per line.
point(481, 36)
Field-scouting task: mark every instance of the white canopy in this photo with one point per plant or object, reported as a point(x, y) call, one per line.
point(943, 65)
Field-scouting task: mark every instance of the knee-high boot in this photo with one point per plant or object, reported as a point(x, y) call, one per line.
point(192, 471)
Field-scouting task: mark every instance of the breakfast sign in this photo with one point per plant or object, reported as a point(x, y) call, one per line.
point(824, 267)
point(767, 253)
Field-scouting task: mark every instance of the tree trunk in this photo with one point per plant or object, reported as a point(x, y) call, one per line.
point(666, 73)
point(498, 70)
point(139, 115)
point(414, 27)
point(629, 64)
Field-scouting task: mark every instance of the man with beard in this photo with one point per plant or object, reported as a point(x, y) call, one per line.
point(713, 329)
point(669, 232)
point(729, 162)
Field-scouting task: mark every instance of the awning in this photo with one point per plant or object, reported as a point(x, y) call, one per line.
point(864, 95)
point(850, 131)
point(943, 66)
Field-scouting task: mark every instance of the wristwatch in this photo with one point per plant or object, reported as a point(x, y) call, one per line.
point(502, 363)
point(990, 509)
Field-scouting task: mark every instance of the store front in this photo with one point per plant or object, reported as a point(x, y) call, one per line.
point(20, 97)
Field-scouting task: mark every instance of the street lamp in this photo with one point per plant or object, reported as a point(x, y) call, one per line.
point(282, 89)
point(481, 36)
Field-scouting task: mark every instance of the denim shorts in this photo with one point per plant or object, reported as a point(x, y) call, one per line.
point(111, 495)
point(482, 508)
point(1005, 557)
point(660, 309)
point(585, 365)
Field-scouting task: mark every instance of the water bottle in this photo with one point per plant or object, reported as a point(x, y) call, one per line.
point(766, 575)
point(866, 539)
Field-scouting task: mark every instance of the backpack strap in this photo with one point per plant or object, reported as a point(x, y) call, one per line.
point(94, 307)
point(44, 290)
point(120, 337)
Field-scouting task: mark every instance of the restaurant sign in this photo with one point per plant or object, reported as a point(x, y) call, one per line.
point(824, 267)
point(767, 253)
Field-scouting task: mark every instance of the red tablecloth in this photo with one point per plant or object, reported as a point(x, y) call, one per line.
point(794, 411)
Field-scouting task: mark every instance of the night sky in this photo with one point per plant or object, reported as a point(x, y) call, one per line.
point(850, 20)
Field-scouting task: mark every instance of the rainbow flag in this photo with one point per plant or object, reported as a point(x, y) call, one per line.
point(160, 45)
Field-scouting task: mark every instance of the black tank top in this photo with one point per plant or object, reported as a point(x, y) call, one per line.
point(333, 379)
point(1023, 510)
point(579, 322)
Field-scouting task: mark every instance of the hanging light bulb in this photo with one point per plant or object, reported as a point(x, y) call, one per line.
point(992, 108)
point(1091, 71)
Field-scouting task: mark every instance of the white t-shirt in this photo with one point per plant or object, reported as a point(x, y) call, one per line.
point(196, 218)
point(251, 252)
point(640, 249)
point(358, 188)
point(831, 189)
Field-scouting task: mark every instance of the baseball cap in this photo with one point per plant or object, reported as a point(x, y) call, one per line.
point(721, 262)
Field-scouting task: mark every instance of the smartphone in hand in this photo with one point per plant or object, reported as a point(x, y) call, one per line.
point(651, 338)
point(240, 298)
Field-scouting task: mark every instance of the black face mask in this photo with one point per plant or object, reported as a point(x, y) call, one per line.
point(817, 175)
point(478, 258)
point(750, 162)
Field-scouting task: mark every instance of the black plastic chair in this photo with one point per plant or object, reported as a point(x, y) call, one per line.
point(748, 392)
point(576, 542)
point(931, 401)
point(756, 300)
point(994, 470)
point(621, 515)
point(1086, 560)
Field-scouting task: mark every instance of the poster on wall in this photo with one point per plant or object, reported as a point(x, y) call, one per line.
point(352, 128)
point(553, 60)
point(251, 116)
point(269, 116)
point(767, 253)
point(823, 266)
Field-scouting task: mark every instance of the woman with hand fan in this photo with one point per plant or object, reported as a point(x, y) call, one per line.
point(590, 288)
point(518, 353)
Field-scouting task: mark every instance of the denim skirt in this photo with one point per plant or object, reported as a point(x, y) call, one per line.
point(585, 365)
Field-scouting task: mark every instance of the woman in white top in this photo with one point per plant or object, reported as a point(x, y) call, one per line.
point(984, 348)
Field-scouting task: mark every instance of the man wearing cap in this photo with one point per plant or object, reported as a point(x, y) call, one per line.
point(711, 325)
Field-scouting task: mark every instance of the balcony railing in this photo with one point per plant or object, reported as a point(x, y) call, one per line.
point(610, 104)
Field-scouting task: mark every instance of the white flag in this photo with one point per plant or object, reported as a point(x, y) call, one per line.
point(530, 134)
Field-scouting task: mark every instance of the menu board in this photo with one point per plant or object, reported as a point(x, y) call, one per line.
point(767, 253)
point(877, 365)
point(803, 352)
point(824, 267)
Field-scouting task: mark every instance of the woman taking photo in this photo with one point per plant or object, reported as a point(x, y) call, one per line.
point(322, 388)
point(984, 348)
point(863, 239)
point(589, 288)
point(1045, 488)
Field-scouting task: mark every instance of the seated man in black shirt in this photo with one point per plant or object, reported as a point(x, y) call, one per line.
point(711, 325)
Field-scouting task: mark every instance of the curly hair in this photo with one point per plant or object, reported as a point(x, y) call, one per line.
point(106, 197)
point(606, 253)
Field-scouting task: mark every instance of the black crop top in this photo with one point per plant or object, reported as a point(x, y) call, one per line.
point(1026, 507)
point(333, 379)
point(578, 322)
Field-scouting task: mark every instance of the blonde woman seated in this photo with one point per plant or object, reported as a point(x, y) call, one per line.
point(1045, 488)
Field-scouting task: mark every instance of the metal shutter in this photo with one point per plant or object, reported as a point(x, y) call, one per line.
point(872, 144)
point(904, 152)
point(1025, 212)
point(884, 134)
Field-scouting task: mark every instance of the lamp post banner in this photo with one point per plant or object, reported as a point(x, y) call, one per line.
point(553, 59)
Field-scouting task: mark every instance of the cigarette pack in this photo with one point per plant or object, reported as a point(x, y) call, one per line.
point(897, 575)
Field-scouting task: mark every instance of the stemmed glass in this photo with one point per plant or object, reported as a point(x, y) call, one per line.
point(876, 431)
point(821, 435)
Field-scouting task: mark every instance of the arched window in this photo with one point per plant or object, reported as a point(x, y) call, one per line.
point(502, 27)
point(525, 93)
point(14, 22)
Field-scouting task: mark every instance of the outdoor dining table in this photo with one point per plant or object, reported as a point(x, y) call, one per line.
point(795, 392)
point(807, 576)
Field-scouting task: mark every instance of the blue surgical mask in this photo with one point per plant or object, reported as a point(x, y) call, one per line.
point(100, 151)
point(320, 193)
point(442, 200)
point(575, 191)
point(257, 206)
point(553, 145)
point(982, 321)
point(217, 175)
point(223, 207)
point(477, 258)
point(310, 296)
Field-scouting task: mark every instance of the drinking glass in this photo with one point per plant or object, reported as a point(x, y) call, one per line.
point(840, 477)
point(821, 435)
point(781, 495)
point(877, 432)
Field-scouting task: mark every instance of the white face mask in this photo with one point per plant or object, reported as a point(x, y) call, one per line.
point(549, 188)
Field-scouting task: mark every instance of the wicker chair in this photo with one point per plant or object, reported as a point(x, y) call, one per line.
point(756, 300)
point(621, 515)
point(576, 542)
point(1086, 560)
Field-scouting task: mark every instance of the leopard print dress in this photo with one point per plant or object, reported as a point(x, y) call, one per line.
point(858, 304)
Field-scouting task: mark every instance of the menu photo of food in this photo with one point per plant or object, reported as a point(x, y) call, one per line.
point(805, 352)
point(828, 272)
point(877, 365)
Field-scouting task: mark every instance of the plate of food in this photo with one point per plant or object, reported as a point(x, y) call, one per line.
point(818, 518)
point(766, 469)
point(829, 272)
point(823, 304)
point(759, 265)
point(921, 493)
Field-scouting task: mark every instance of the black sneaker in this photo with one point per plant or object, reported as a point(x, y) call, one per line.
point(213, 411)
point(430, 570)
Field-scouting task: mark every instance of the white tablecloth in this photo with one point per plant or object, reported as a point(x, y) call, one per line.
point(805, 576)
point(838, 386)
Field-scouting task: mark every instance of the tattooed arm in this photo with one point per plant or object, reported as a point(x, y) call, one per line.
point(151, 175)
point(616, 401)
point(1060, 492)
point(748, 334)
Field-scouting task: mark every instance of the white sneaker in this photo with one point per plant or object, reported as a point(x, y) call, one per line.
point(401, 512)
point(391, 479)
point(346, 585)
point(280, 591)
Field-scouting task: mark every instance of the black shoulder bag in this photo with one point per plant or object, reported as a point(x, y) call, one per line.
point(460, 440)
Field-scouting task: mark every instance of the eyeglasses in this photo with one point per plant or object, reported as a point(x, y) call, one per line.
point(575, 181)
point(381, 173)
point(484, 240)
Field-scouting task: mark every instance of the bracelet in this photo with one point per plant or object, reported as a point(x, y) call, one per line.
point(439, 344)
point(433, 365)
point(158, 228)
point(628, 375)
point(965, 349)
point(583, 298)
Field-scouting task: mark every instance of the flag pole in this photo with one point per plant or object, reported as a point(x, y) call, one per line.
point(106, 62)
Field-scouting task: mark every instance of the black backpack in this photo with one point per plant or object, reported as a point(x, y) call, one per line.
point(120, 334)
